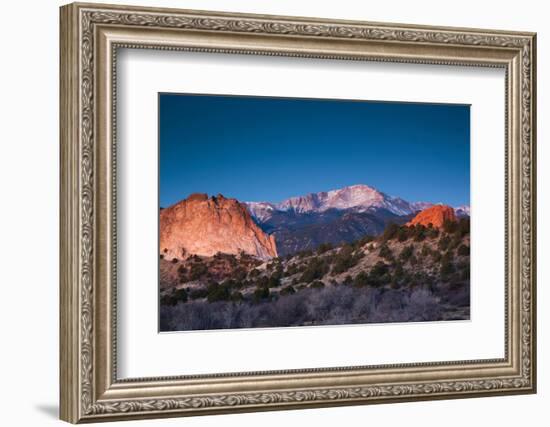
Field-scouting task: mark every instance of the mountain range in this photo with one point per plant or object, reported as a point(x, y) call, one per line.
point(360, 198)
point(336, 216)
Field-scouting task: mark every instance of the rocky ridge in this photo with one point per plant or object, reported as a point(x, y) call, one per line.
point(202, 225)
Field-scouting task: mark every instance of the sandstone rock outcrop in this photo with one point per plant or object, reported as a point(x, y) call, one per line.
point(202, 225)
point(435, 215)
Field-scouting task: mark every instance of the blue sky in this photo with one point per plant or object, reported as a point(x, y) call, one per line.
point(269, 149)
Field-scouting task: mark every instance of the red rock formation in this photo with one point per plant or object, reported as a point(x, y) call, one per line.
point(435, 215)
point(205, 226)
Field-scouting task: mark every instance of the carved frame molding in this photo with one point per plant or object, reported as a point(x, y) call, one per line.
point(90, 36)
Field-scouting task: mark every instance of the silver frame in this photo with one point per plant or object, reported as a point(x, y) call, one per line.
point(90, 37)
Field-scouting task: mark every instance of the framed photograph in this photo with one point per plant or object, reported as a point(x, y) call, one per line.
point(266, 212)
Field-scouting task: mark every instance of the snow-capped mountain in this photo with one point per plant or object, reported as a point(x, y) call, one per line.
point(420, 206)
point(261, 211)
point(462, 211)
point(360, 198)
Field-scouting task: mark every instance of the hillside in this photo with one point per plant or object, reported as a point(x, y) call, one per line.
point(295, 232)
point(408, 273)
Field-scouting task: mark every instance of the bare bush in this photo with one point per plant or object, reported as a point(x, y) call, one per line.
point(325, 306)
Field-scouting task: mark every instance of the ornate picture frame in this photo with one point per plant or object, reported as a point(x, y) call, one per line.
point(90, 37)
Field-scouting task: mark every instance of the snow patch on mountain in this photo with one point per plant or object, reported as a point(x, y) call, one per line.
point(261, 211)
point(462, 211)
